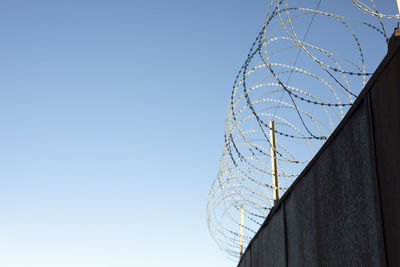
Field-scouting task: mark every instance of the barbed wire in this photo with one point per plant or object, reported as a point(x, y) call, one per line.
point(373, 10)
point(305, 113)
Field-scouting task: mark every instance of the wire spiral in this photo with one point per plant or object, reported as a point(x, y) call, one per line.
point(306, 103)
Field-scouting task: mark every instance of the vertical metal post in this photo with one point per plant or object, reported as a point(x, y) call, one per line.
point(241, 230)
point(274, 162)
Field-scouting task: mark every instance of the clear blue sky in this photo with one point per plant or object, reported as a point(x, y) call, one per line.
point(112, 116)
point(111, 127)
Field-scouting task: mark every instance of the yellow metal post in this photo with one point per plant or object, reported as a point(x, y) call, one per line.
point(274, 163)
point(241, 230)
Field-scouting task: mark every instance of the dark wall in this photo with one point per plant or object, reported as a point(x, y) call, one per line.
point(344, 209)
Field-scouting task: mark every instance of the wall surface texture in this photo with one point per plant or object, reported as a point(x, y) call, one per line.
point(344, 209)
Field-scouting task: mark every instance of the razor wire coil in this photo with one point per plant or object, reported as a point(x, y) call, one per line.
point(305, 114)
